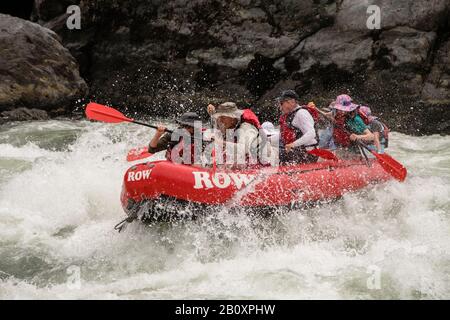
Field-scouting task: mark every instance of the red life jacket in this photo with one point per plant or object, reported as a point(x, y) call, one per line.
point(340, 136)
point(364, 117)
point(288, 132)
point(313, 112)
point(250, 117)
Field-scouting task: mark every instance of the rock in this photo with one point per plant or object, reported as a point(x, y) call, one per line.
point(52, 14)
point(404, 46)
point(46, 10)
point(215, 57)
point(422, 15)
point(159, 57)
point(437, 85)
point(345, 50)
point(35, 70)
point(24, 114)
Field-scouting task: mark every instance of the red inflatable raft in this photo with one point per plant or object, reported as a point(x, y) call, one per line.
point(164, 190)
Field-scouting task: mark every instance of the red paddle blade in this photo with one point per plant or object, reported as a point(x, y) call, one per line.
point(95, 111)
point(325, 154)
point(138, 154)
point(392, 166)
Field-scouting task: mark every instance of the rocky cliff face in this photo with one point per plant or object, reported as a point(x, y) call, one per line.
point(35, 69)
point(166, 56)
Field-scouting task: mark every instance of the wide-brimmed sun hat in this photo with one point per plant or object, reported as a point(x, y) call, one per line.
point(344, 103)
point(228, 109)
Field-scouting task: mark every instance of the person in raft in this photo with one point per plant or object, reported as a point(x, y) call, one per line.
point(379, 129)
point(272, 134)
point(297, 132)
point(240, 133)
point(174, 142)
point(349, 127)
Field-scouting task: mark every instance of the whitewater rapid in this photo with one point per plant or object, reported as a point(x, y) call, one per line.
point(60, 183)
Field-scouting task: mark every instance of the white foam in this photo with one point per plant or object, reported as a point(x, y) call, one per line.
point(62, 211)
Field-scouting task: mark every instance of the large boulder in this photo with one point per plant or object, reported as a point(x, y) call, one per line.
point(437, 85)
point(404, 46)
point(35, 69)
point(327, 47)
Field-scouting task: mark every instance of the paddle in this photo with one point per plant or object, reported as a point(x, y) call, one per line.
point(95, 111)
point(322, 153)
point(389, 164)
point(138, 154)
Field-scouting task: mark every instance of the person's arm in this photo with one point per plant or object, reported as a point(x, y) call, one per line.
point(211, 110)
point(159, 141)
point(305, 122)
point(328, 115)
point(376, 141)
point(366, 136)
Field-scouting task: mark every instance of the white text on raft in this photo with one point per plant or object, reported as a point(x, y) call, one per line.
point(221, 180)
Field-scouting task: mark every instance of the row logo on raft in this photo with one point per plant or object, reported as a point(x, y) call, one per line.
point(221, 180)
point(140, 175)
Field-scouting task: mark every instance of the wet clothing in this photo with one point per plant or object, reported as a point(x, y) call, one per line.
point(249, 145)
point(353, 125)
point(163, 143)
point(244, 145)
point(356, 125)
point(326, 140)
point(297, 128)
point(376, 126)
point(166, 143)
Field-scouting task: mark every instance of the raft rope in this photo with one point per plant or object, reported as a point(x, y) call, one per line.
point(121, 225)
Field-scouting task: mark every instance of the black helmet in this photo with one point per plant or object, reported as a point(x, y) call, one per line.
point(188, 119)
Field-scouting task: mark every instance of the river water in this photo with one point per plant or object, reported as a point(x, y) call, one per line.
point(60, 183)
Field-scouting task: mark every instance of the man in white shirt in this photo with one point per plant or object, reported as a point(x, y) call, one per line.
point(297, 132)
point(240, 135)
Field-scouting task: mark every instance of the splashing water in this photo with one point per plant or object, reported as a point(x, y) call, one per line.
point(60, 183)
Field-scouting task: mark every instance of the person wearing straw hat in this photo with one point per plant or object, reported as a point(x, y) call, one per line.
point(241, 128)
